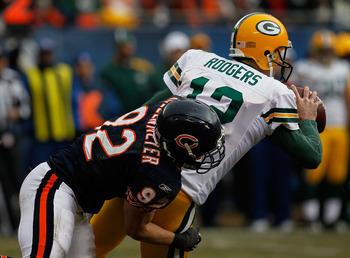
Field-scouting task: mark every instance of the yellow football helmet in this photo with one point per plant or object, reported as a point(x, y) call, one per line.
point(322, 46)
point(322, 39)
point(264, 39)
point(342, 46)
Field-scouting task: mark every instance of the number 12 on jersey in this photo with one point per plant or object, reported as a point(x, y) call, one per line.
point(236, 97)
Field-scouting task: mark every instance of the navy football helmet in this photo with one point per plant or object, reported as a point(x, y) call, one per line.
point(191, 134)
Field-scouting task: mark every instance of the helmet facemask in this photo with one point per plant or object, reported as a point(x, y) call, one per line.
point(279, 58)
point(210, 159)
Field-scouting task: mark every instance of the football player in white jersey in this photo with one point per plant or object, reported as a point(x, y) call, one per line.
point(250, 103)
point(329, 75)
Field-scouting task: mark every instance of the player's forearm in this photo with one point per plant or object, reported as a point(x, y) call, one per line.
point(303, 145)
point(153, 234)
point(185, 241)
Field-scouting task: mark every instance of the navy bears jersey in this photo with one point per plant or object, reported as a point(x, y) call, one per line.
point(120, 158)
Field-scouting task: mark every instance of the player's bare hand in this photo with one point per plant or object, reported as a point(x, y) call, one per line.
point(307, 103)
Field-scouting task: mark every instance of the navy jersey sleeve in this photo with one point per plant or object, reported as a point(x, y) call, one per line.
point(155, 188)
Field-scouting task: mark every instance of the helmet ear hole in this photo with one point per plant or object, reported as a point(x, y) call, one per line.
point(266, 52)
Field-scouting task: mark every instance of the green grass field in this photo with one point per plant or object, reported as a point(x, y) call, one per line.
point(231, 242)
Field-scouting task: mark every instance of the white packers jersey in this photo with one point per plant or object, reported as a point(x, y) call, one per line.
point(330, 82)
point(250, 106)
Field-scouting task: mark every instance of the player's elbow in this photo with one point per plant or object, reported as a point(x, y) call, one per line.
point(311, 158)
point(131, 232)
point(134, 232)
point(312, 163)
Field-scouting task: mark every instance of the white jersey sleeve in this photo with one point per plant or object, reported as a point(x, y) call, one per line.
point(250, 106)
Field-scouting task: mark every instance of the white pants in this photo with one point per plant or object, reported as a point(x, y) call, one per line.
point(52, 222)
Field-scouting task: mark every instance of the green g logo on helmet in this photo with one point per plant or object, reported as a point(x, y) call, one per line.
point(269, 28)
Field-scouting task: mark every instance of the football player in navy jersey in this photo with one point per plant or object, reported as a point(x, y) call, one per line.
point(136, 157)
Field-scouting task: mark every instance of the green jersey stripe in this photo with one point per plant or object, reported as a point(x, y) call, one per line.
point(172, 78)
point(280, 110)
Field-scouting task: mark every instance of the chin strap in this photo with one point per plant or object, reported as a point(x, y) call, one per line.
point(190, 153)
point(270, 61)
point(167, 151)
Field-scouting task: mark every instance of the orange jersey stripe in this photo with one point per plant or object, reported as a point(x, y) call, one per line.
point(291, 115)
point(43, 215)
point(175, 73)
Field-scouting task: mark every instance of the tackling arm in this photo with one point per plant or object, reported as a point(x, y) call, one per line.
point(138, 225)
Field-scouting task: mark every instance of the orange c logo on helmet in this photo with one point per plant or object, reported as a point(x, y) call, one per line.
point(190, 140)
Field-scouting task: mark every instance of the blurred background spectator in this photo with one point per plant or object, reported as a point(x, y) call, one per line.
point(14, 109)
point(120, 13)
point(197, 12)
point(126, 74)
point(92, 103)
point(50, 87)
point(83, 13)
point(201, 40)
point(171, 49)
point(324, 72)
point(342, 49)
